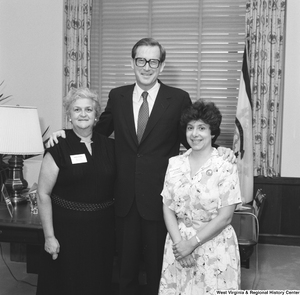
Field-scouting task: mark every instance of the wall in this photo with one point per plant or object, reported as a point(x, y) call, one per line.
point(280, 219)
point(291, 115)
point(31, 51)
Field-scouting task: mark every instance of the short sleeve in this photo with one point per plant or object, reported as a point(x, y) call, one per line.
point(167, 192)
point(229, 186)
point(56, 153)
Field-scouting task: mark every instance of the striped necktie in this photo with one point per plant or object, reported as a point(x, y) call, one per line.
point(143, 116)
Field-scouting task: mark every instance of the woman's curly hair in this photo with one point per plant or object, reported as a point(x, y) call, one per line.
point(81, 92)
point(206, 112)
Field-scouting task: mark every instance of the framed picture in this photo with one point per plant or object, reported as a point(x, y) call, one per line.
point(7, 200)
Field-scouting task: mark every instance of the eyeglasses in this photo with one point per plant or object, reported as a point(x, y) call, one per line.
point(141, 62)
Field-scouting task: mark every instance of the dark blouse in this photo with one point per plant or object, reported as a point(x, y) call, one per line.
point(90, 178)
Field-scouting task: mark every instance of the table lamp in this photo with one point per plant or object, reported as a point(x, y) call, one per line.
point(20, 135)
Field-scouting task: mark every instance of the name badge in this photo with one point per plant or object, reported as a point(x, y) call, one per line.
point(77, 159)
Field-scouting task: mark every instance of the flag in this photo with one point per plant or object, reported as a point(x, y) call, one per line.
point(242, 139)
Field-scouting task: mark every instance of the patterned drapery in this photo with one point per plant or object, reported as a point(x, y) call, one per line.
point(77, 43)
point(265, 31)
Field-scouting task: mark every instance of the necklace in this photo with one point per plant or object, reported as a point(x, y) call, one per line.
point(87, 143)
point(87, 140)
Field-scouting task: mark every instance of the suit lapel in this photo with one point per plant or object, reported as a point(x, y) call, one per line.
point(127, 110)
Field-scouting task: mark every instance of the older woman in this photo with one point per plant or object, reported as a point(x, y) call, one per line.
point(75, 199)
point(200, 194)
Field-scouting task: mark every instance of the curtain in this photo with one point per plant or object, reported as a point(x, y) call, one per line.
point(77, 43)
point(265, 32)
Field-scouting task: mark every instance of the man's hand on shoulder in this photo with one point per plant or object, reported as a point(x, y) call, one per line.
point(53, 137)
point(228, 154)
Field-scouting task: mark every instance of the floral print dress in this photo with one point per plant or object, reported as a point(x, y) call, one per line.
point(195, 202)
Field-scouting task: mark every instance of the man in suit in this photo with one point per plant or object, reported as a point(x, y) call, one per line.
point(142, 165)
point(142, 159)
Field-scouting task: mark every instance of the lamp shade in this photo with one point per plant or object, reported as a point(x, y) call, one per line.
point(20, 132)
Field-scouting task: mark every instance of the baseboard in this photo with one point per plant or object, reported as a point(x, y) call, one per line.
point(286, 240)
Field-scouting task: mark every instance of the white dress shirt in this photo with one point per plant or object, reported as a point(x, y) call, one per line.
point(138, 100)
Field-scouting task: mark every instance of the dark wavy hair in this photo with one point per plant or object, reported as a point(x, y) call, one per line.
point(149, 42)
point(205, 111)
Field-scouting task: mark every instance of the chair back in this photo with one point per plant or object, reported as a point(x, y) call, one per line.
point(245, 222)
point(259, 202)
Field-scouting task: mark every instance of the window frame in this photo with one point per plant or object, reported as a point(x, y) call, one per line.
point(204, 41)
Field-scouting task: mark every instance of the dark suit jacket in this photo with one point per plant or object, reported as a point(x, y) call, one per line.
point(141, 167)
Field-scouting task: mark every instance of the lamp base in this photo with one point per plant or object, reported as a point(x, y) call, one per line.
point(15, 182)
point(18, 200)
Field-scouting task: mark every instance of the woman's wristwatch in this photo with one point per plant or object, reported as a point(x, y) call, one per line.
point(198, 241)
